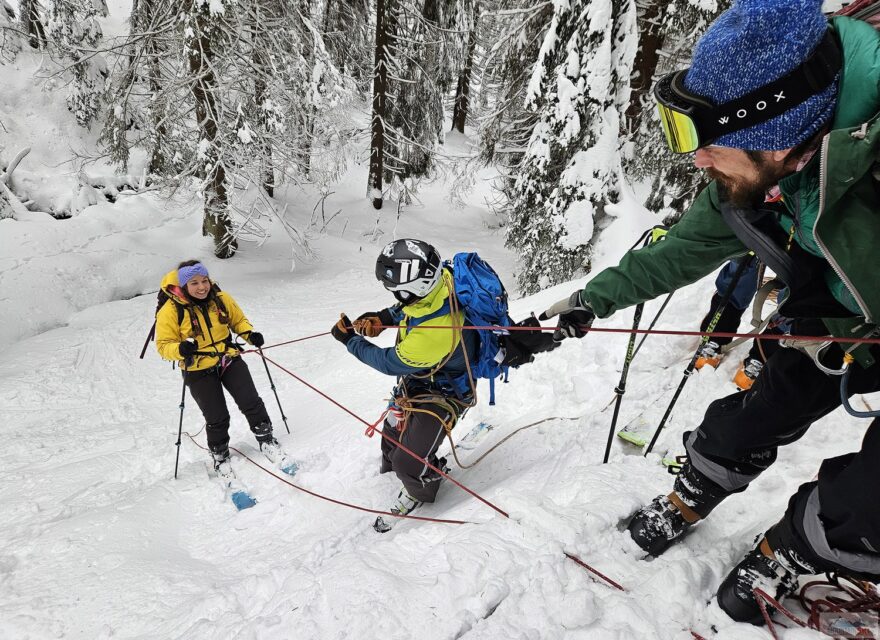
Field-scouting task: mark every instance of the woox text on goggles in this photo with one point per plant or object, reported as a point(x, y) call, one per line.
point(691, 121)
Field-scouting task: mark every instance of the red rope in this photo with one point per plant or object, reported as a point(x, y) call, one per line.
point(661, 332)
point(658, 332)
point(592, 570)
point(281, 344)
point(328, 499)
point(372, 427)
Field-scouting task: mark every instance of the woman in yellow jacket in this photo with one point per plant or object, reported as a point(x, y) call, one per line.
point(195, 327)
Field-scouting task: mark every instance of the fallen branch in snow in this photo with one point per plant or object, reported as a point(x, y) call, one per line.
point(5, 177)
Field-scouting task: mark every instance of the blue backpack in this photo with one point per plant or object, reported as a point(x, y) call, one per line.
point(484, 301)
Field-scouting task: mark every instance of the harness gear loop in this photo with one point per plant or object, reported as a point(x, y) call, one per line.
point(815, 350)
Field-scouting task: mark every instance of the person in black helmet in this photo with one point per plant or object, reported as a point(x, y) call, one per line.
point(429, 365)
point(433, 389)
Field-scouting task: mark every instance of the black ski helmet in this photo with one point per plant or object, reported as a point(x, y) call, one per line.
point(409, 268)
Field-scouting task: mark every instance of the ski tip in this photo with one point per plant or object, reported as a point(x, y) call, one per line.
point(290, 468)
point(242, 500)
point(632, 438)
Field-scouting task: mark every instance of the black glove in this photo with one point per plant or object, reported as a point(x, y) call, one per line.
point(343, 329)
point(372, 323)
point(521, 346)
point(575, 317)
point(256, 339)
point(187, 349)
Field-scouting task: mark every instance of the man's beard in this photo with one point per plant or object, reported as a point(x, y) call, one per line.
point(742, 192)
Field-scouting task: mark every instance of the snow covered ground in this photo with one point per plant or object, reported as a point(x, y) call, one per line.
point(99, 541)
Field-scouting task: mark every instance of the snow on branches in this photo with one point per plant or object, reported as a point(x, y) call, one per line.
point(579, 90)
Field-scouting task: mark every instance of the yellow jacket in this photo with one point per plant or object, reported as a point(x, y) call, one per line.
point(425, 349)
point(212, 333)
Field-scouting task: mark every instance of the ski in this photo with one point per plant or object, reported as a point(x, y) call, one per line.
point(242, 499)
point(233, 488)
point(473, 437)
point(289, 467)
point(636, 431)
point(275, 454)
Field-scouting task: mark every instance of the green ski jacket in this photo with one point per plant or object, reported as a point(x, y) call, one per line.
point(832, 204)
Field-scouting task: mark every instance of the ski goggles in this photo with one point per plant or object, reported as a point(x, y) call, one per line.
point(411, 287)
point(691, 121)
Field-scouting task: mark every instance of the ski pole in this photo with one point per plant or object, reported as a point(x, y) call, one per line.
point(272, 384)
point(651, 235)
point(653, 322)
point(620, 389)
point(180, 426)
point(692, 364)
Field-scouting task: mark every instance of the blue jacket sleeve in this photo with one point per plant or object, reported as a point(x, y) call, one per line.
point(382, 360)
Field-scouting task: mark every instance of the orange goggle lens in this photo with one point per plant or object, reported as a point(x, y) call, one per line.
point(681, 133)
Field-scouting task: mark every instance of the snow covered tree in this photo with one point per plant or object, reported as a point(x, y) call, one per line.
point(418, 48)
point(31, 23)
point(385, 34)
point(463, 87)
point(668, 32)
point(509, 37)
point(232, 94)
point(76, 33)
point(202, 32)
point(349, 38)
point(579, 90)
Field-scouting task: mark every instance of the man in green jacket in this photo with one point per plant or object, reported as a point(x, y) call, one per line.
point(781, 107)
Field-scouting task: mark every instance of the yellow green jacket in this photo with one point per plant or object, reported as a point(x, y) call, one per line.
point(212, 327)
point(419, 349)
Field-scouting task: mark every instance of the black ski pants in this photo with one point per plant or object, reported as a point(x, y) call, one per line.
point(206, 387)
point(422, 433)
point(836, 520)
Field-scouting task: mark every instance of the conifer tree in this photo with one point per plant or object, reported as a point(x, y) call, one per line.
point(579, 91)
point(76, 33)
point(668, 33)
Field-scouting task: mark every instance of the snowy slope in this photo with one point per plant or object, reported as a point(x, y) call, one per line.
point(100, 542)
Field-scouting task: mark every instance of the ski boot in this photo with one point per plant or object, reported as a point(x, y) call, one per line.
point(747, 374)
point(710, 354)
point(404, 505)
point(761, 568)
point(656, 526)
point(773, 566)
point(277, 456)
point(222, 464)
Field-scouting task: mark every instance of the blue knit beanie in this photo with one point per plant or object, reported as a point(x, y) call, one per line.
point(752, 44)
point(185, 274)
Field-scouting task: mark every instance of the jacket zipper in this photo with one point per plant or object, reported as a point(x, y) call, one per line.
point(798, 230)
point(823, 171)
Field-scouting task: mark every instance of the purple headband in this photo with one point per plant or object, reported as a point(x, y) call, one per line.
point(185, 274)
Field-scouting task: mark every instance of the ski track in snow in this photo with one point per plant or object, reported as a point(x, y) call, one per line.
point(101, 542)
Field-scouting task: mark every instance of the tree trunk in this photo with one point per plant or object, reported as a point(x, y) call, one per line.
point(308, 54)
point(463, 89)
point(266, 171)
point(647, 57)
point(216, 221)
point(29, 14)
point(158, 159)
point(377, 126)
